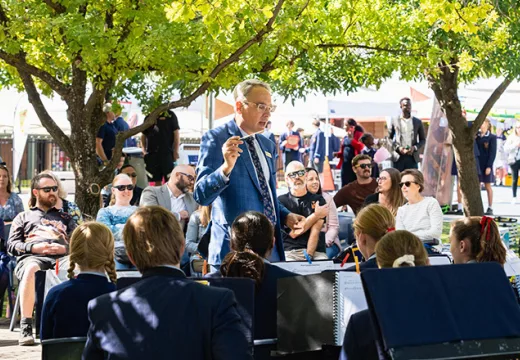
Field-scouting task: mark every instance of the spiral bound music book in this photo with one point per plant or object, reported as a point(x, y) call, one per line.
point(314, 310)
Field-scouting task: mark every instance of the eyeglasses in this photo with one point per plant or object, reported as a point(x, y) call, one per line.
point(296, 174)
point(382, 178)
point(190, 177)
point(48, 189)
point(364, 166)
point(261, 107)
point(407, 183)
point(124, 187)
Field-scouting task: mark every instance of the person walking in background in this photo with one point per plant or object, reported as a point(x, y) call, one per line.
point(290, 144)
point(317, 150)
point(64, 312)
point(407, 134)
point(350, 147)
point(512, 148)
point(160, 144)
point(487, 147)
point(267, 132)
point(303, 150)
point(500, 166)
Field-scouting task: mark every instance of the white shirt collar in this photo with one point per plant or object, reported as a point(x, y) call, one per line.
point(173, 196)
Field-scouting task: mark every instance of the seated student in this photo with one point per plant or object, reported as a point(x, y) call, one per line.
point(64, 312)
point(303, 244)
point(252, 238)
point(164, 315)
point(421, 216)
point(115, 216)
point(476, 239)
point(395, 249)
point(370, 225)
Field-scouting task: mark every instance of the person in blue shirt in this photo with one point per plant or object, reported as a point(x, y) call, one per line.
point(106, 136)
point(317, 150)
point(289, 154)
point(64, 312)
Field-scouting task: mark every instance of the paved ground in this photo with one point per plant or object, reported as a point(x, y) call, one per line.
point(9, 349)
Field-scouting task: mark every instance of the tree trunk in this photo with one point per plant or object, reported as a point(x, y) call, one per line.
point(445, 86)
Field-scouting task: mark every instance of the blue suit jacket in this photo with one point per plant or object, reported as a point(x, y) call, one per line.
point(64, 312)
point(360, 341)
point(317, 147)
point(289, 154)
point(240, 194)
point(166, 316)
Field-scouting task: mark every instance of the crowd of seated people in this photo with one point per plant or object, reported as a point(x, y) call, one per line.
point(391, 228)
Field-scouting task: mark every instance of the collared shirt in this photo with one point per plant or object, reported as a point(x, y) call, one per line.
point(92, 273)
point(263, 163)
point(177, 204)
point(406, 132)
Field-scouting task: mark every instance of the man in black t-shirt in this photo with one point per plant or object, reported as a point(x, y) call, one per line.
point(313, 206)
point(160, 144)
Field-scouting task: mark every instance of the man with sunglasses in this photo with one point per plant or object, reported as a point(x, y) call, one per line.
point(38, 238)
point(176, 195)
point(354, 193)
point(237, 171)
point(304, 244)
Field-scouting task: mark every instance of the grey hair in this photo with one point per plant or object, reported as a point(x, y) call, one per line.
point(107, 107)
point(245, 87)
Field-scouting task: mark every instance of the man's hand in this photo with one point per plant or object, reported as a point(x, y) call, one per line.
point(231, 152)
point(40, 248)
point(184, 215)
point(321, 211)
point(488, 171)
point(57, 249)
point(295, 222)
point(284, 142)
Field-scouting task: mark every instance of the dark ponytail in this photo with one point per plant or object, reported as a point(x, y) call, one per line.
point(243, 264)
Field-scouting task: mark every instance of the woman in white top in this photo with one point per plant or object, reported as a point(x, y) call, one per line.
point(512, 148)
point(421, 216)
point(331, 227)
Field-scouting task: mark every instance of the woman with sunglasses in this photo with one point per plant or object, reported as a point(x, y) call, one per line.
point(10, 203)
point(422, 216)
point(115, 216)
point(330, 230)
point(512, 148)
point(388, 192)
point(130, 171)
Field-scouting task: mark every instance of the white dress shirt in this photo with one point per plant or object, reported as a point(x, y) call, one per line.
point(177, 205)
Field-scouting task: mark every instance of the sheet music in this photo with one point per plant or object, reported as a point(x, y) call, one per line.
point(512, 265)
point(353, 295)
point(304, 268)
point(439, 260)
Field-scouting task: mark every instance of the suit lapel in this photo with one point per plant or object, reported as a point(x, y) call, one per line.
point(165, 197)
point(264, 151)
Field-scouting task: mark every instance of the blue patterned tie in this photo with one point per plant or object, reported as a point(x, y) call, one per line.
point(264, 189)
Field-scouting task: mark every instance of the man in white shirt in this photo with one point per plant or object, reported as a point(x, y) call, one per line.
point(175, 195)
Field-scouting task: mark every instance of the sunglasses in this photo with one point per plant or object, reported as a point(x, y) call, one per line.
point(48, 189)
point(190, 177)
point(296, 174)
point(407, 183)
point(364, 166)
point(124, 187)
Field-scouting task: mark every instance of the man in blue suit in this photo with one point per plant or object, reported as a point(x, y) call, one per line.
point(317, 151)
point(164, 315)
point(237, 171)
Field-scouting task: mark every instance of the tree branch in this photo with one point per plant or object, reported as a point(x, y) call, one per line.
point(46, 120)
point(367, 47)
point(490, 102)
point(19, 62)
point(186, 101)
point(58, 8)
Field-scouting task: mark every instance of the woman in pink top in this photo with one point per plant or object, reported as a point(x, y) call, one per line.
point(330, 229)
